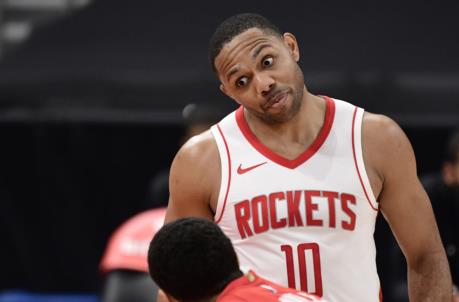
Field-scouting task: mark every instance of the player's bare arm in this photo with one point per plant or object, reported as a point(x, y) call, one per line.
point(193, 183)
point(194, 179)
point(405, 205)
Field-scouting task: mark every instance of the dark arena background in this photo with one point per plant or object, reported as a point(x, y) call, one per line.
point(91, 109)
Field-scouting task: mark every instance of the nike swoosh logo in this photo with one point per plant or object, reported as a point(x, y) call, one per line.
point(241, 170)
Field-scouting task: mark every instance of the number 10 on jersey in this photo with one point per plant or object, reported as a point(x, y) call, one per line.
point(303, 267)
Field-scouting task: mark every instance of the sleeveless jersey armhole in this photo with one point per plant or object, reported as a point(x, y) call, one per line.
point(358, 158)
point(225, 177)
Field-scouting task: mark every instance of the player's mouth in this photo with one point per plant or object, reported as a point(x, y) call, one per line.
point(276, 100)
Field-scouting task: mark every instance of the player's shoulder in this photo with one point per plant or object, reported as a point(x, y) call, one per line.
point(382, 130)
point(198, 146)
point(378, 121)
point(383, 140)
point(199, 152)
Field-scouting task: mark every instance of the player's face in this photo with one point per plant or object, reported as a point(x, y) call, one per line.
point(260, 71)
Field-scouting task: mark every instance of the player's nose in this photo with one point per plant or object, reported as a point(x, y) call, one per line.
point(264, 83)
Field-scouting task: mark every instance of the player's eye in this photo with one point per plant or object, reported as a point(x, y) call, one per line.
point(241, 82)
point(267, 61)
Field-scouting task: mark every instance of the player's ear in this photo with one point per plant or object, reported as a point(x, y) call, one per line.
point(163, 297)
point(225, 91)
point(291, 43)
point(167, 298)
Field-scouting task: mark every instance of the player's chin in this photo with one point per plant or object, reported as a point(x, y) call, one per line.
point(282, 112)
point(277, 117)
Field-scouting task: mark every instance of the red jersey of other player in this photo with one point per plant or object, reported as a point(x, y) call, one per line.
point(256, 289)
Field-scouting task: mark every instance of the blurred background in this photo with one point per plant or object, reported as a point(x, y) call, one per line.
point(92, 94)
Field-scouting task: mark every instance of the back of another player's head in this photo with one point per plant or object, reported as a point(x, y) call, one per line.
point(451, 164)
point(235, 25)
point(192, 260)
point(452, 148)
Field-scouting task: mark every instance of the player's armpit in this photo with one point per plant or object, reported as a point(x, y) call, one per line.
point(407, 208)
point(194, 177)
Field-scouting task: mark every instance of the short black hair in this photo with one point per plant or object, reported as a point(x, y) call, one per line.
point(234, 26)
point(192, 260)
point(452, 148)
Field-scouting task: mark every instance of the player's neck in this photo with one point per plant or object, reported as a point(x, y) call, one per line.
point(301, 130)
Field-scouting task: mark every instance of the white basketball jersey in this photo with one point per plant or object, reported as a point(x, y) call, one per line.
point(306, 223)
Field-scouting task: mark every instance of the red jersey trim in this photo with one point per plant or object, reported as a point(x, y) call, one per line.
point(355, 161)
point(308, 153)
point(229, 175)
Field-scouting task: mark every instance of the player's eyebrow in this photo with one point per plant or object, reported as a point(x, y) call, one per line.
point(232, 72)
point(255, 53)
point(257, 50)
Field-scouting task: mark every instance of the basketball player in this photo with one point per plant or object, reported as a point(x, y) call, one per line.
point(296, 180)
point(192, 260)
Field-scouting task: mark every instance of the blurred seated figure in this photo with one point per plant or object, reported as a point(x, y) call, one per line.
point(193, 260)
point(443, 190)
point(124, 264)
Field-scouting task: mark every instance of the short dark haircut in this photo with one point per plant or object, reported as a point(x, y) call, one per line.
point(452, 148)
point(192, 260)
point(234, 26)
